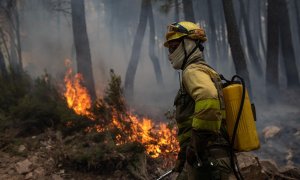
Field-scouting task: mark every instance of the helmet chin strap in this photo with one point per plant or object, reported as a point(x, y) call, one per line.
point(186, 57)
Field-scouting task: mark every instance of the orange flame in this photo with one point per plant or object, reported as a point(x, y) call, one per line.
point(158, 139)
point(76, 94)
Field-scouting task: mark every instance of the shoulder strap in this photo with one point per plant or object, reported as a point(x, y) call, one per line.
point(216, 78)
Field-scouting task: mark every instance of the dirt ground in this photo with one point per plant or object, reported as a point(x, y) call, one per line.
point(43, 156)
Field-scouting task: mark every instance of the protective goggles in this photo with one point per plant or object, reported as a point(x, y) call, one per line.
point(175, 27)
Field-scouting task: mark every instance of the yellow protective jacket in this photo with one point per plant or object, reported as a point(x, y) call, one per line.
point(199, 102)
point(204, 85)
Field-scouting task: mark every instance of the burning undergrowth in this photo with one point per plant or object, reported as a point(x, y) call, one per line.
point(115, 137)
point(102, 136)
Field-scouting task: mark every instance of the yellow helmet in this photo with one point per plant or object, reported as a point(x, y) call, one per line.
point(185, 29)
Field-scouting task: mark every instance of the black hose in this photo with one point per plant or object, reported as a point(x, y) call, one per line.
point(233, 163)
point(240, 110)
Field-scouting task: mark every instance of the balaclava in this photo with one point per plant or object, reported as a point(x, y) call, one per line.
point(177, 57)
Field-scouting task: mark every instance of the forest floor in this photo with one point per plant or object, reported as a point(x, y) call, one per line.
point(50, 156)
point(279, 127)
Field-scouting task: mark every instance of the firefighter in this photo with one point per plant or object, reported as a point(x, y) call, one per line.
point(204, 152)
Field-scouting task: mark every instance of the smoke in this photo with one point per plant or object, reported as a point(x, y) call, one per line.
point(47, 40)
point(111, 46)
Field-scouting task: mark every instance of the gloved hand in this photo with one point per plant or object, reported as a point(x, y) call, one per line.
point(181, 157)
point(179, 165)
point(201, 139)
point(191, 157)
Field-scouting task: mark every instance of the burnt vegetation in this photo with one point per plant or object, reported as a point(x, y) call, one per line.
point(36, 106)
point(32, 105)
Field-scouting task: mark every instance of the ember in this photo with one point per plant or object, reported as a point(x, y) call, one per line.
point(158, 139)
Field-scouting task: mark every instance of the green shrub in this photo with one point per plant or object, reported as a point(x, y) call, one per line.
point(12, 88)
point(32, 106)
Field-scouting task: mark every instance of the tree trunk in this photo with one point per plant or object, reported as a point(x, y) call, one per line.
point(98, 5)
point(235, 43)
point(260, 31)
point(136, 50)
point(254, 21)
point(222, 43)
point(253, 54)
point(176, 11)
point(81, 42)
point(19, 49)
point(287, 46)
point(2, 36)
point(152, 55)
point(58, 48)
point(297, 7)
point(213, 39)
point(239, 18)
point(3, 70)
point(14, 57)
point(188, 10)
point(272, 49)
point(14, 36)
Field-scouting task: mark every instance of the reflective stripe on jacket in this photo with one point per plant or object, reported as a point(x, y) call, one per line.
point(203, 84)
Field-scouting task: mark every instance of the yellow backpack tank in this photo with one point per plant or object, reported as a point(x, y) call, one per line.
point(246, 138)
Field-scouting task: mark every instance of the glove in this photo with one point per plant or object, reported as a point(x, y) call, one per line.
point(196, 151)
point(179, 164)
point(191, 157)
point(200, 140)
point(181, 157)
